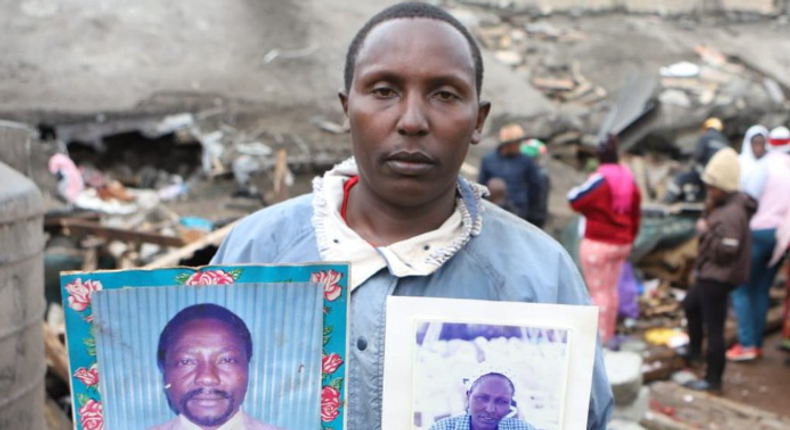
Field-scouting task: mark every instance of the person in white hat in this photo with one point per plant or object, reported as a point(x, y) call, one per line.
point(769, 184)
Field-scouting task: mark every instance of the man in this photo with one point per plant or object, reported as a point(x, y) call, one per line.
point(488, 402)
point(516, 169)
point(204, 356)
point(399, 211)
point(688, 186)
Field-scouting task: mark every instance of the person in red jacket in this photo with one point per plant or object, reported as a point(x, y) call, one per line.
point(610, 203)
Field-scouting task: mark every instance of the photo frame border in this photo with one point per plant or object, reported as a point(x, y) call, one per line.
point(403, 312)
point(77, 287)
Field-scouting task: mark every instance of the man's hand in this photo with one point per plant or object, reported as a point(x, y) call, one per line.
point(702, 226)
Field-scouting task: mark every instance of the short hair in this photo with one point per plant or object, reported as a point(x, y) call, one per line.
point(411, 10)
point(477, 382)
point(203, 311)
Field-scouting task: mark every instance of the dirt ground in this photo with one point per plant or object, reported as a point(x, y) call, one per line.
point(763, 383)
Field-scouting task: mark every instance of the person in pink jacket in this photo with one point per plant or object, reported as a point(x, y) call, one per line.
point(769, 184)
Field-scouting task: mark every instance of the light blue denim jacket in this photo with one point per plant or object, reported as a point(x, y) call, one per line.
point(510, 260)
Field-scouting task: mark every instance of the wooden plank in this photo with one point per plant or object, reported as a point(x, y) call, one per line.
point(57, 358)
point(551, 84)
point(77, 227)
point(214, 238)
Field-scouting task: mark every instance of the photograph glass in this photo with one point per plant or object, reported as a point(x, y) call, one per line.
point(489, 373)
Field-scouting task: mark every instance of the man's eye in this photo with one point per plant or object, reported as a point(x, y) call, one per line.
point(501, 402)
point(383, 92)
point(184, 362)
point(446, 96)
point(226, 360)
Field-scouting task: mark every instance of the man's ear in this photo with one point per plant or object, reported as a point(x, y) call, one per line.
point(483, 110)
point(344, 104)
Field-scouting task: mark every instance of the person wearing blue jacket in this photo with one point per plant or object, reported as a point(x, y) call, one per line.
point(399, 212)
point(519, 172)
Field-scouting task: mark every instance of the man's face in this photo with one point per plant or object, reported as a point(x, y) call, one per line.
point(413, 110)
point(489, 402)
point(206, 372)
point(510, 149)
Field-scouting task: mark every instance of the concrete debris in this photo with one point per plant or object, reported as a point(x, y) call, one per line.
point(329, 126)
point(675, 97)
point(508, 58)
point(289, 54)
point(549, 84)
point(774, 91)
point(683, 69)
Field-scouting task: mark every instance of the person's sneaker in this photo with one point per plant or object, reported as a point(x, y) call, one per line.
point(784, 345)
point(739, 353)
point(703, 385)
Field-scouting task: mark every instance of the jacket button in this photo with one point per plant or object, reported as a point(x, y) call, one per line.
point(362, 343)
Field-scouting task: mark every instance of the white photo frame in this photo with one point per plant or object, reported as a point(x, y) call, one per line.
point(409, 319)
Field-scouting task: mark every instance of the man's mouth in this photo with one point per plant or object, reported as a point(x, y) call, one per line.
point(410, 163)
point(207, 398)
point(487, 420)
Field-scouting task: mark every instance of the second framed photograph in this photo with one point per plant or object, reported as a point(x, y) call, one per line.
point(468, 364)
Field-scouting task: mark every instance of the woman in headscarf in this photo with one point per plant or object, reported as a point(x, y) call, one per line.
point(610, 202)
point(768, 184)
point(752, 149)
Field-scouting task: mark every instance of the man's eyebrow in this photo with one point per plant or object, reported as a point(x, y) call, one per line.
point(456, 79)
point(381, 74)
point(192, 349)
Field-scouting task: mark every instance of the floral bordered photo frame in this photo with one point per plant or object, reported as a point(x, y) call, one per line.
point(78, 287)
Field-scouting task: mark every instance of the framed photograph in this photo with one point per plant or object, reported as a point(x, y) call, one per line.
point(210, 355)
point(254, 347)
point(469, 364)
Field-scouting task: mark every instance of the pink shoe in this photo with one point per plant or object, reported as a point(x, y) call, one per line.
point(739, 353)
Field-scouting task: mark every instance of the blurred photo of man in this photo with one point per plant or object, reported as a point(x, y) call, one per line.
point(489, 400)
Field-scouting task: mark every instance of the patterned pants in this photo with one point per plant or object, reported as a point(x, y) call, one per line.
point(601, 264)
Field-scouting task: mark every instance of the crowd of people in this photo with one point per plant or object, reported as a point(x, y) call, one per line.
point(743, 236)
point(743, 232)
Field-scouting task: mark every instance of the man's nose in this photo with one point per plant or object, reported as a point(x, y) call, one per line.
point(490, 407)
point(413, 120)
point(207, 374)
